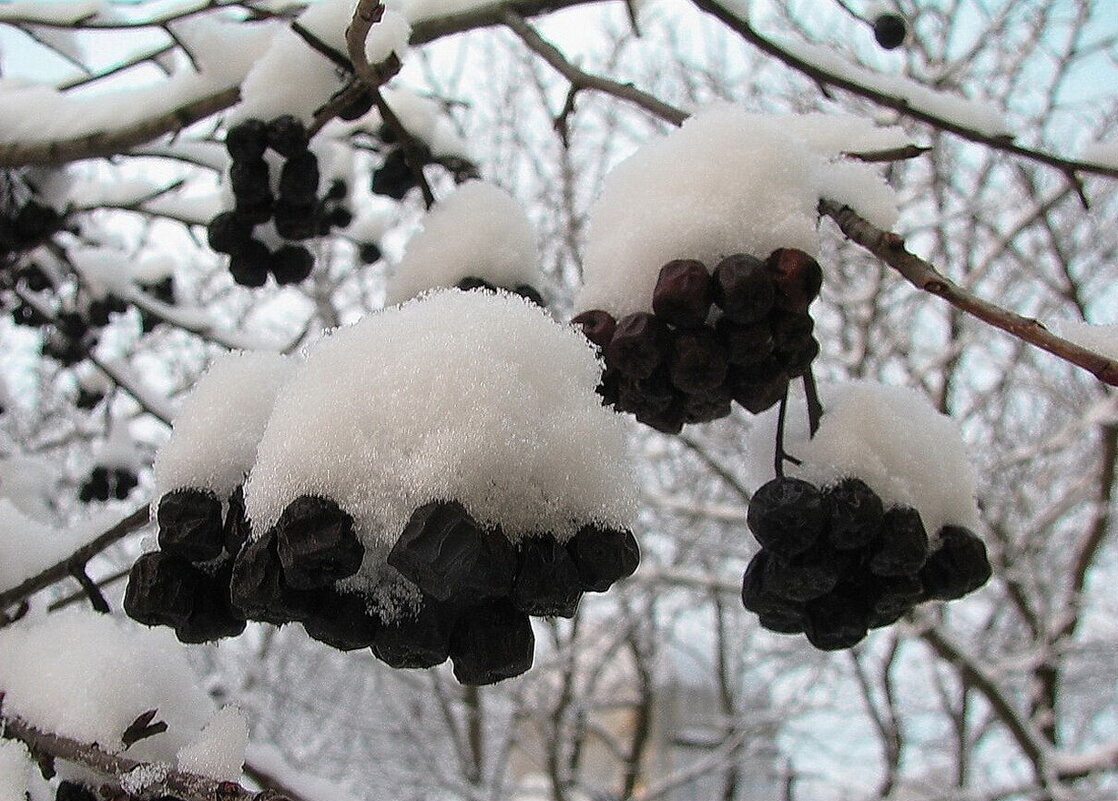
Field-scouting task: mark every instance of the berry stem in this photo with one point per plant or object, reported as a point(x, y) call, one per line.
point(814, 405)
point(781, 456)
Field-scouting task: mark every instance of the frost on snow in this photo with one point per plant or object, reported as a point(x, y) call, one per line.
point(215, 432)
point(88, 676)
point(218, 752)
point(468, 396)
point(726, 182)
point(478, 231)
point(891, 438)
point(15, 770)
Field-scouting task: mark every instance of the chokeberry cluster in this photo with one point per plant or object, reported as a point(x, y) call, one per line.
point(737, 334)
point(477, 588)
point(834, 562)
point(294, 207)
point(107, 482)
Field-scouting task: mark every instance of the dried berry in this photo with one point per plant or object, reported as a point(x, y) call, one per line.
point(637, 346)
point(903, 547)
point(291, 264)
point(890, 31)
point(683, 293)
point(345, 623)
point(250, 182)
point(228, 232)
point(597, 326)
point(490, 643)
point(547, 582)
point(161, 590)
point(421, 640)
point(957, 567)
point(299, 177)
point(797, 278)
point(316, 543)
point(603, 556)
point(249, 265)
point(247, 140)
point(190, 524)
point(743, 288)
point(786, 515)
point(287, 136)
point(697, 361)
point(854, 512)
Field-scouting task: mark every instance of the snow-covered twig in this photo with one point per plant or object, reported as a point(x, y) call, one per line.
point(77, 559)
point(1069, 167)
point(890, 248)
point(156, 779)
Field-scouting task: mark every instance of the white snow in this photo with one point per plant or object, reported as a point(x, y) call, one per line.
point(15, 770)
point(1104, 154)
point(479, 230)
point(119, 450)
point(88, 676)
point(61, 13)
point(425, 119)
point(226, 51)
point(218, 751)
point(471, 396)
point(985, 118)
point(672, 200)
point(103, 270)
point(270, 760)
point(216, 430)
point(423, 9)
point(891, 438)
point(27, 546)
point(1102, 339)
point(28, 482)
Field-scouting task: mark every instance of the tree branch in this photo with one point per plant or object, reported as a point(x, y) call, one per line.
point(164, 780)
point(890, 248)
point(77, 559)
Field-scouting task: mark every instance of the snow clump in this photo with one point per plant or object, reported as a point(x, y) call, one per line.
point(726, 182)
point(218, 752)
point(15, 770)
point(479, 231)
point(469, 396)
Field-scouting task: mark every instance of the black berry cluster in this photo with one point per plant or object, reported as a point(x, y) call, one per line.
point(395, 176)
point(890, 31)
point(526, 291)
point(834, 562)
point(295, 207)
point(185, 583)
point(107, 482)
point(479, 590)
point(737, 334)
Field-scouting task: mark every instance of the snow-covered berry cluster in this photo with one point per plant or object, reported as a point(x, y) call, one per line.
point(185, 584)
point(291, 203)
point(835, 562)
point(739, 333)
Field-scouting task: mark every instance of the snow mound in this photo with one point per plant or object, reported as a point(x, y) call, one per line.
point(29, 546)
point(218, 752)
point(891, 438)
point(473, 396)
point(88, 676)
point(726, 182)
point(213, 441)
point(15, 770)
point(479, 231)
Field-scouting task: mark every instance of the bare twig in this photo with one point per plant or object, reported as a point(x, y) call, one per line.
point(890, 248)
point(80, 557)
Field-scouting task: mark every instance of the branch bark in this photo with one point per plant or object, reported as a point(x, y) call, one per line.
point(890, 248)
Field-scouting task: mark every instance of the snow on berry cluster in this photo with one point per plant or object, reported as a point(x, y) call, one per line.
point(739, 334)
point(293, 207)
point(410, 489)
point(877, 519)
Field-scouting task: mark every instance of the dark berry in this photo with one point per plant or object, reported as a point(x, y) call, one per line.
point(161, 590)
point(653, 394)
point(249, 265)
point(287, 136)
point(444, 552)
point(345, 623)
point(316, 543)
point(213, 616)
point(638, 345)
point(839, 619)
point(743, 288)
point(125, 482)
point(890, 30)
point(807, 575)
point(745, 343)
point(490, 643)
point(256, 213)
point(88, 399)
point(547, 582)
point(247, 140)
point(295, 221)
point(530, 294)
point(250, 181)
point(786, 515)
point(776, 613)
point(299, 177)
point(598, 326)
point(394, 177)
point(697, 362)
point(228, 233)
point(796, 276)
point(707, 406)
point(357, 108)
point(291, 264)
point(757, 387)
point(368, 253)
point(603, 556)
point(473, 282)
point(683, 293)
point(957, 567)
point(257, 587)
point(190, 524)
point(337, 190)
point(855, 513)
point(903, 547)
point(892, 597)
point(421, 640)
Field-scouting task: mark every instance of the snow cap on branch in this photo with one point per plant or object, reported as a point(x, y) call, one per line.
point(213, 441)
point(726, 182)
point(469, 396)
point(479, 231)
